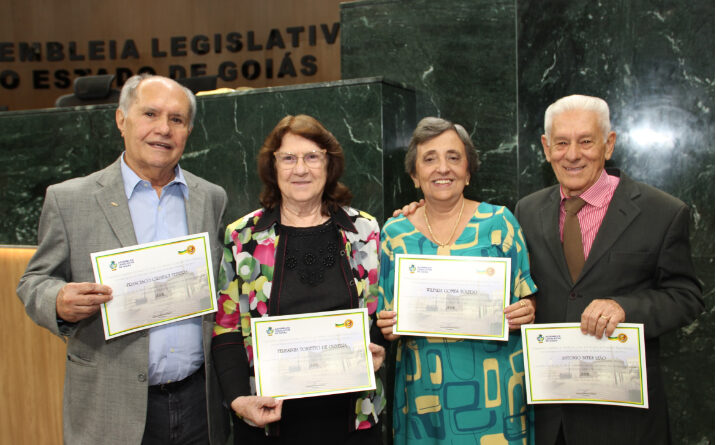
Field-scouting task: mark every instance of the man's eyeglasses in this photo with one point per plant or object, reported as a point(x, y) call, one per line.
point(287, 159)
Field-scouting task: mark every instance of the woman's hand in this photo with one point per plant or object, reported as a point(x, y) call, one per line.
point(378, 354)
point(386, 320)
point(522, 312)
point(258, 410)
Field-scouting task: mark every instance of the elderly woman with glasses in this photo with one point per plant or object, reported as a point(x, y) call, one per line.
point(304, 251)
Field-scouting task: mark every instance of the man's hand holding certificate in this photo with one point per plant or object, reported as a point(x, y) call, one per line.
point(563, 365)
point(155, 283)
point(312, 354)
point(451, 296)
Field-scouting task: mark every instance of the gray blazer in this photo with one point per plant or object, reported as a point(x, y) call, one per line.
point(105, 393)
point(641, 259)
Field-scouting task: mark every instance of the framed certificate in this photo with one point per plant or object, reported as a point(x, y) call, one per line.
point(155, 283)
point(451, 296)
point(312, 354)
point(563, 365)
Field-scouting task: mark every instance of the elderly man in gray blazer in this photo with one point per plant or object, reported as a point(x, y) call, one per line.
point(622, 256)
point(155, 386)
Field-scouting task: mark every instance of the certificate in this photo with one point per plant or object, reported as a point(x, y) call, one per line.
point(155, 283)
point(451, 296)
point(565, 366)
point(312, 354)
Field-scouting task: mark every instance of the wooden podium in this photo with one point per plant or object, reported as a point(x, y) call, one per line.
point(33, 364)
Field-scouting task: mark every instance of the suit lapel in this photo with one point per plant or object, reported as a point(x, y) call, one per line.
point(549, 219)
point(620, 214)
point(194, 206)
point(112, 201)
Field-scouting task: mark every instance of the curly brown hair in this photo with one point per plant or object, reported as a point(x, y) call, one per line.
point(335, 193)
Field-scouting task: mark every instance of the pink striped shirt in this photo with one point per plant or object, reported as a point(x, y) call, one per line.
point(597, 199)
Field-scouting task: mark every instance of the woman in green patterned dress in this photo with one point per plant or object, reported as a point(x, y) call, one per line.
point(451, 390)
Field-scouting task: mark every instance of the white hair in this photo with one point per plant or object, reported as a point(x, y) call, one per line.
point(129, 94)
point(579, 102)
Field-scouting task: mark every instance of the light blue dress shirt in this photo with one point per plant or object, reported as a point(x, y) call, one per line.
point(175, 349)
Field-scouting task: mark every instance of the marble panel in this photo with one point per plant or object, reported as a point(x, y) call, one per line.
point(653, 61)
point(460, 56)
point(40, 148)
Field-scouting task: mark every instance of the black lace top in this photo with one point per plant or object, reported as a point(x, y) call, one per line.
point(312, 279)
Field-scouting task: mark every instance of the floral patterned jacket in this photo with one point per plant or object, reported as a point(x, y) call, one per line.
point(245, 282)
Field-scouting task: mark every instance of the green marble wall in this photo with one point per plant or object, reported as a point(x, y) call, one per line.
point(40, 148)
point(495, 66)
point(653, 61)
point(461, 58)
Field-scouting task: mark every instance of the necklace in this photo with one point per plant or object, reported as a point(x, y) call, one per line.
point(455, 225)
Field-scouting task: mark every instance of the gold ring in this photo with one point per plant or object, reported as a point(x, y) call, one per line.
point(606, 318)
point(522, 303)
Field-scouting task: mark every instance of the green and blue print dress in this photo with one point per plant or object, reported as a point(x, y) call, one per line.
point(451, 391)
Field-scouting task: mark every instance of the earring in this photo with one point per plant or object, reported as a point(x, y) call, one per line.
point(467, 182)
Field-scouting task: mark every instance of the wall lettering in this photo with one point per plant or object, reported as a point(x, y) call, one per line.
point(237, 45)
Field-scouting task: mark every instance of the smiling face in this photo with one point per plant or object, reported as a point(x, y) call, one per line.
point(577, 150)
point(155, 129)
point(300, 185)
point(441, 167)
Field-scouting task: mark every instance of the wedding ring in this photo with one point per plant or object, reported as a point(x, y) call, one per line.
point(606, 318)
point(522, 303)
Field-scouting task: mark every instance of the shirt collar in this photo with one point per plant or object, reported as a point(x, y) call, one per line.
point(273, 216)
point(130, 179)
point(597, 195)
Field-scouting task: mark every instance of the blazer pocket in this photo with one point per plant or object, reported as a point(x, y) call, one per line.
point(80, 361)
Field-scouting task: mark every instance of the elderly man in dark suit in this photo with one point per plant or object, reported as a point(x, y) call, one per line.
point(149, 387)
point(605, 249)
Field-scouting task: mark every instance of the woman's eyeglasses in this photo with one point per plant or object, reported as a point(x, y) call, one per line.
point(287, 159)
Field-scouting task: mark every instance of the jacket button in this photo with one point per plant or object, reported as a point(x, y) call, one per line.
point(142, 377)
point(572, 295)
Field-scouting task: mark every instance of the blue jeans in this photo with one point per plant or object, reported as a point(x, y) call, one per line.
point(177, 413)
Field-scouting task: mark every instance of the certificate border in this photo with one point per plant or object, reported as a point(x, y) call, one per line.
point(273, 319)
point(506, 297)
point(639, 330)
point(203, 236)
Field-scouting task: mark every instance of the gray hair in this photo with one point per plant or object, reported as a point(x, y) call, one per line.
point(431, 127)
point(579, 102)
point(129, 94)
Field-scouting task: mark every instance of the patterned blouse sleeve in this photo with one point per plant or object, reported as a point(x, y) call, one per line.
point(368, 272)
point(523, 284)
point(230, 357)
point(368, 263)
point(227, 317)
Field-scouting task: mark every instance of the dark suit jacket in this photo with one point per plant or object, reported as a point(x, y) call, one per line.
point(641, 259)
point(105, 393)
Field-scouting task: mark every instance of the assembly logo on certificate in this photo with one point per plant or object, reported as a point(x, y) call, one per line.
point(451, 296)
point(313, 354)
point(563, 365)
point(155, 283)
